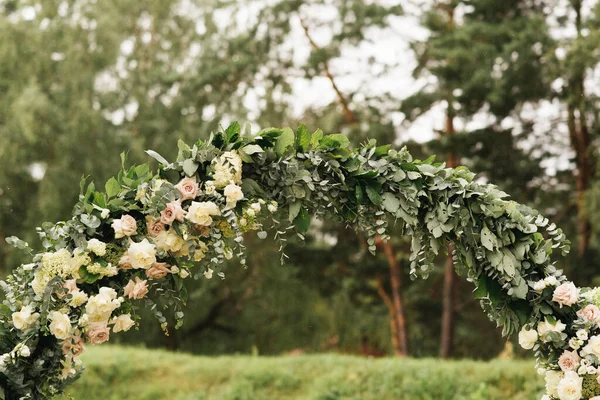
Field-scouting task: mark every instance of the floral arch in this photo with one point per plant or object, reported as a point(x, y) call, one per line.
point(134, 243)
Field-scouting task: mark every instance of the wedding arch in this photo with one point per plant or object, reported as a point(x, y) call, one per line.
point(133, 243)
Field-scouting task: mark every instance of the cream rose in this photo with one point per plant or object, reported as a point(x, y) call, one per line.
point(200, 212)
point(122, 323)
point(173, 241)
point(142, 254)
point(125, 226)
point(527, 338)
point(100, 307)
point(590, 313)
point(172, 212)
point(569, 361)
point(25, 318)
point(157, 271)
point(78, 298)
point(188, 189)
point(593, 347)
point(60, 325)
point(566, 294)
point(137, 289)
point(98, 332)
point(569, 387)
point(233, 193)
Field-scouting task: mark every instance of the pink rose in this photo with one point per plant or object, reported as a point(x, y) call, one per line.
point(568, 361)
point(589, 312)
point(188, 188)
point(155, 227)
point(157, 271)
point(566, 294)
point(125, 226)
point(74, 347)
point(124, 262)
point(98, 332)
point(172, 212)
point(70, 285)
point(137, 289)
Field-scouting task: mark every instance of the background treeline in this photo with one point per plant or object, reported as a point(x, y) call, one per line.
point(512, 87)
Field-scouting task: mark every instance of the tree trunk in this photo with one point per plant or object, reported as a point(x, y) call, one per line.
point(448, 293)
point(397, 316)
point(580, 141)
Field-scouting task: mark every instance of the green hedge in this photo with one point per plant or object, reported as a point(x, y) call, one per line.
point(132, 373)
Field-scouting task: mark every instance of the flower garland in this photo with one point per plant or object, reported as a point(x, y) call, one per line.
point(134, 243)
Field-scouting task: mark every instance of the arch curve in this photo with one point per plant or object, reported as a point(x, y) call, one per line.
point(134, 242)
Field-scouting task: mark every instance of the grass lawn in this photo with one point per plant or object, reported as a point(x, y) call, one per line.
point(117, 373)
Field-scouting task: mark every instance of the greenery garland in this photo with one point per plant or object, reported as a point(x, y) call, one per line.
point(134, 243)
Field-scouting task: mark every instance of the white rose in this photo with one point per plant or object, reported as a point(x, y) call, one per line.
point(200, 212)
point(552, 380)
point(209, 187)
point(78, 298)
point(122, 323)
point(25, 318)
point(125, 226)
point(142, 254)
point(593, 347)
point(233, 193)
point(569, 388)
point(544, 327)
point(97, 247)
point(575, 343)
point(566, 294)
point(255, 207)
point(60, 326)
point(527, 338)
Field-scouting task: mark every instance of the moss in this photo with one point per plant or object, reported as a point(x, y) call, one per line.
point(590, 387)
point(114, 253)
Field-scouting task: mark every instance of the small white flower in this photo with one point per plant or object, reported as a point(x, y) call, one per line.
point(28, 267)
point(575, 343)
point(582, 370)
point(104, 213)
point(272, 207)
point(255, 207)
point(591, 370)
point(122, 323)
point(184, 273)
point(174, 269)
point(24, 351)
point(208, 274)
point(551, 281)
point(527, 338)
point(539, 286)
point(243, 222)
point(250, 212)
point(582, 334)
point(97, 247)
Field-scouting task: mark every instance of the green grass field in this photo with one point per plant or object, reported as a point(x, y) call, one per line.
point(116, 373)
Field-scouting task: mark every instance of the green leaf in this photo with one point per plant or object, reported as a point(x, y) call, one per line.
point(142, 170)
point(302, 138)
point(112, 187)
point(158, 157)
point(190, 167)
point(294, 210)
point(358, 192)
point(373, 195)
point(315, 138)
point(285, 141)
point(302, 221)
point(382, 150)
point(488, 239)
point(482, 290)
point(233, 132)
point(334, 141)
point(391, 202)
